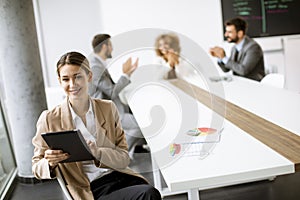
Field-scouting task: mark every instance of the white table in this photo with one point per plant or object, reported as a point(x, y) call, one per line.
point(236, 158)
point(277, 105)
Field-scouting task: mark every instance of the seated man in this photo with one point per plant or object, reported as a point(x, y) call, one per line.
point(246, 57)
point(103, 87)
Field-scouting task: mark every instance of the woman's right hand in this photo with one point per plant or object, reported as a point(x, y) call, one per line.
point(55, 156)
point(173, 58)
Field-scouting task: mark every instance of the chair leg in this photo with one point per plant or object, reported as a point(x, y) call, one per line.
point(62, 185)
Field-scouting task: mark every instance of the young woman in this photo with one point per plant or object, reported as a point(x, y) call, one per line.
point(167, 48)
point(106, 177)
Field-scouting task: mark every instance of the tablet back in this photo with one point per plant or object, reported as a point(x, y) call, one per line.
point(71, 142)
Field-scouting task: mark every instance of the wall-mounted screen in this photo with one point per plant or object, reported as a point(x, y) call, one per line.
point(265, 17)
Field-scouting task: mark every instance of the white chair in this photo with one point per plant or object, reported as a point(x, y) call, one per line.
point(273, 79)
point(63, 185)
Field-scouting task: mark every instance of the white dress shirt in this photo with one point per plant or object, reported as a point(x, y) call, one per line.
point(238, 48)
point(89, 133)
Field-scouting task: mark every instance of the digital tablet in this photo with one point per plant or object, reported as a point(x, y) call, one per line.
point(71, 142)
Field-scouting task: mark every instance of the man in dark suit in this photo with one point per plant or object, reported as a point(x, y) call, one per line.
point(246, 57)
point(103, 87)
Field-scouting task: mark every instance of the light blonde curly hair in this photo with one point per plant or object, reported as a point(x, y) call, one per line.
point(171, 39)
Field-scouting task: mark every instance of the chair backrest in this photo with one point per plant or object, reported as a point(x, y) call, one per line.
point(63, 185)
point(276, 80)
point(291, 63)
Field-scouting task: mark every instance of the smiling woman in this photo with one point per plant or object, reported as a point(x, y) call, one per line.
point(99, 123)
point(74, 75)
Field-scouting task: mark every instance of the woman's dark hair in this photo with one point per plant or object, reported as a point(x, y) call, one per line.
point(73, 58)
point(238, 23)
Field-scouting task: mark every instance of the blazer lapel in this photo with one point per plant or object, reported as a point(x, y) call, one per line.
point(244, 48)
point(106, 73)
point(100, 121)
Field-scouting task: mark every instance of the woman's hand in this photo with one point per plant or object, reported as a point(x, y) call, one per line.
point(172, 57)
point(55, 156)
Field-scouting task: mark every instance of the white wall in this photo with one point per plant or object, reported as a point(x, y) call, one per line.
point(198, 20)
point(70, 25)
point(65, 25)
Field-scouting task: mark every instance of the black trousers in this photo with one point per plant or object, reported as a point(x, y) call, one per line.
point(117, 185)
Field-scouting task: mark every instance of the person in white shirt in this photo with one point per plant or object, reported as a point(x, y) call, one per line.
point(167, 48)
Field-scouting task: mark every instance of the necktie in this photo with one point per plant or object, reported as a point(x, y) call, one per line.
point(108, 75)
point(236, 54)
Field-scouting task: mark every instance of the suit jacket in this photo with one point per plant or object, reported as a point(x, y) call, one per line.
point(110, 139)
point(250, 61)
point(102, 85)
